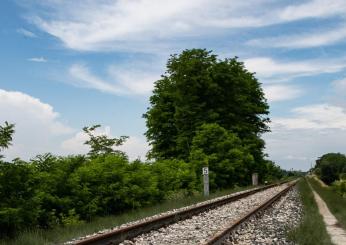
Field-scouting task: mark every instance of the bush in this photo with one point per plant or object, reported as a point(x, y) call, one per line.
point(343, 176)
point(340, 187)
point(229, 162)
point(19, 206)
point(331, 165)
point(328, 173)
point(174, 176)
point(50, 190)
point(318, 172)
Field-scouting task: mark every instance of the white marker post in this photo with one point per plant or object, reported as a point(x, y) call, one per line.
point(205, 172)
point(255, 179)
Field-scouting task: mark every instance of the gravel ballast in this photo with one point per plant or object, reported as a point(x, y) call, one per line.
point(201, 227)
point(173, 211)
point(272, 225)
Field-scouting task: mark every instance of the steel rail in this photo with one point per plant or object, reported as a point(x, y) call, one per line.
point(221, 236)
point(126, 233)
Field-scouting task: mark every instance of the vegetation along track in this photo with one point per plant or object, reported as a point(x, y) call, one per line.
point(209, 222)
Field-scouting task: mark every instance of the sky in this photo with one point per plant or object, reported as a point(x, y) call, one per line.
point(69, 64)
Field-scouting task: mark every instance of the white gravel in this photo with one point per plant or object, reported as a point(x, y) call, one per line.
point(271, 227)
point(201, 227)
point(154, 216)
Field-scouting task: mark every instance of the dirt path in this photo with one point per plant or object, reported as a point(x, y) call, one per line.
point(336, 233)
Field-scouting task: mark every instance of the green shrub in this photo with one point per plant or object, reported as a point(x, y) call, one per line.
point(340, 187)
point(343, 176)
point(173, 176)
point(71, 219)
point(331, 165)
point(229, 161)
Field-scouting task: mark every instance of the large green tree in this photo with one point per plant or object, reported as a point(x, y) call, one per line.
point(199, 88)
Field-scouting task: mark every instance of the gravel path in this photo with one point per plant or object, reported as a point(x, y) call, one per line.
point(271, 226)
point(201, 227)
point(335, 231)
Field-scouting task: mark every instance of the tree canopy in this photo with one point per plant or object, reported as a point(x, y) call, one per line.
point(101, 144)
point(330, 166)
point(199, 88)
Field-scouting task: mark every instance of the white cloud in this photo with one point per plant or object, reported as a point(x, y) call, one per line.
point(299, 148)
point(135, 147)
point(303, 40)
point(38, 59)
point(297, 141)
point(85, 78)
point(26, 33)
point(340, 85)
point(95, 26)
point(75, 144)
point(273, 70)
point(314, 9)
point(135, 78)
point(138, 78)
point(37, 126)
point(295, 157)
point(337, 94)
point(159, 24)
point(275, 93)
point(319, 116)
point(120, 79)
point(39, 129)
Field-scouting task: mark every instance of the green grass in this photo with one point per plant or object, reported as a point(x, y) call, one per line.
point(60, 234)
point(312, 229)
point(335, 202)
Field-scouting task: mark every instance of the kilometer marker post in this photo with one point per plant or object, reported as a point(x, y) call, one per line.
point(205, 172)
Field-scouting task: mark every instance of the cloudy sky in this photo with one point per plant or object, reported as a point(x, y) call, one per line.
point(68, 64)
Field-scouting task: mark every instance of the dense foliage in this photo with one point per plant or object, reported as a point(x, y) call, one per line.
point(229, 162)
point(339, 186)
point(48, 190)
point(210, 112)
point(198, 88)
point(330, 167)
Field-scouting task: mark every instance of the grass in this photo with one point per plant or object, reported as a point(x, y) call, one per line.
point(335, 202)
point(59, 235)
point(312, 229)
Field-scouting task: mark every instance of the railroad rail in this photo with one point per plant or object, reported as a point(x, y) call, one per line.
point(127, 233)
point(223, 235)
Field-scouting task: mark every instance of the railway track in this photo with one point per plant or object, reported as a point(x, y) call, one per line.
point(210, 222)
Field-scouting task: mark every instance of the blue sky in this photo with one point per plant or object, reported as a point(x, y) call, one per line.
point(68, 64)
